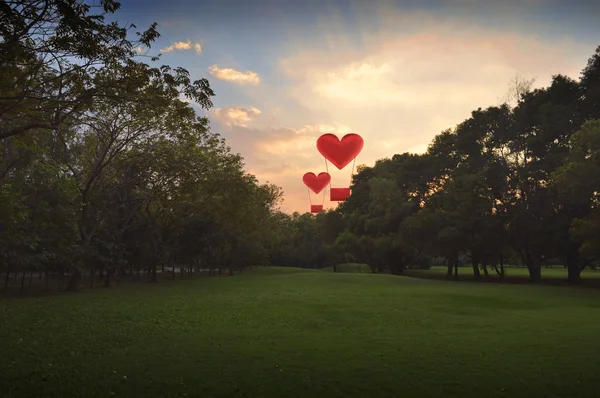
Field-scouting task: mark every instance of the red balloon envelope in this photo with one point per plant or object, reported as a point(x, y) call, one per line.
point(338, 194)
point(316, 208)
point(340, 152)
point(316, 183)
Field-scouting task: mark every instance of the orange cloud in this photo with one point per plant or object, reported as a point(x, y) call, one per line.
point(234, 76)
point(180, 45)
point(403, 89)
point(236, 115)
point(302, 143)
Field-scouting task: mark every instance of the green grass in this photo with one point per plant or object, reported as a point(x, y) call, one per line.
point(555, 272)
point(275, 332)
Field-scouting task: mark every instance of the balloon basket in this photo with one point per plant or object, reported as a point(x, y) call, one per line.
point(339, 194)
point(316, 208)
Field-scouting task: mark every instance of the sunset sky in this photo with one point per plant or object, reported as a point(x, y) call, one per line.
point(395, 72)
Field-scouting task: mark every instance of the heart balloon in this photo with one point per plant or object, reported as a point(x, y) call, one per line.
point(316, 183)
point(340, 152)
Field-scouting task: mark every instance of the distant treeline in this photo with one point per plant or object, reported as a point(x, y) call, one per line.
point(514, 184)
point(106, 172)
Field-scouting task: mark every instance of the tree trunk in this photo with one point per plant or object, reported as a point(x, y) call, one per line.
point(153, 278)
point(455, 267)
point(6, 279)
point(30, 277)
point(535, 273)
point(107, 278)
point(573, 264)
point(92, 275)
point(334, 267)
point(449, 264)
point(23, 280)
point(485, 270)
point(501, 265)
point(534, 265)
point(495, 266)
point(73, 281)
point(59, 278)
point(475, 264)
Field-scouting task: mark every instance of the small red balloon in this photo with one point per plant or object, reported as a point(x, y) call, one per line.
point(316, 183)
point(316, 208)
point(340, 152)
point(339, 194)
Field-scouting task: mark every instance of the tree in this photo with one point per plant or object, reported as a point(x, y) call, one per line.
point(577, 189)
point(518, 87)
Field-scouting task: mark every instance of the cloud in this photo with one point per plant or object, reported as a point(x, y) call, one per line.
point(400, 90)
point(236, 115)
point(423, 71)
point(301, 143)
point(234, 76)
point(180, 45)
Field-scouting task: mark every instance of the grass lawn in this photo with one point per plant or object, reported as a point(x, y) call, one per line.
point(275, 332)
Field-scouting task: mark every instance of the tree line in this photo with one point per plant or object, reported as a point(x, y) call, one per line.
point(106, 170)
point(518, 182)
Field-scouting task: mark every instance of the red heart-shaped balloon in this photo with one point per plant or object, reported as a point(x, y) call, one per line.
point(316, 183)
point(340, 152)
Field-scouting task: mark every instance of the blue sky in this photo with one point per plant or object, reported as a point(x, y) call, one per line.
point(396, 72)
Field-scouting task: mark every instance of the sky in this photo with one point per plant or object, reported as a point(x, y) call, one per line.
point(395, 72)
